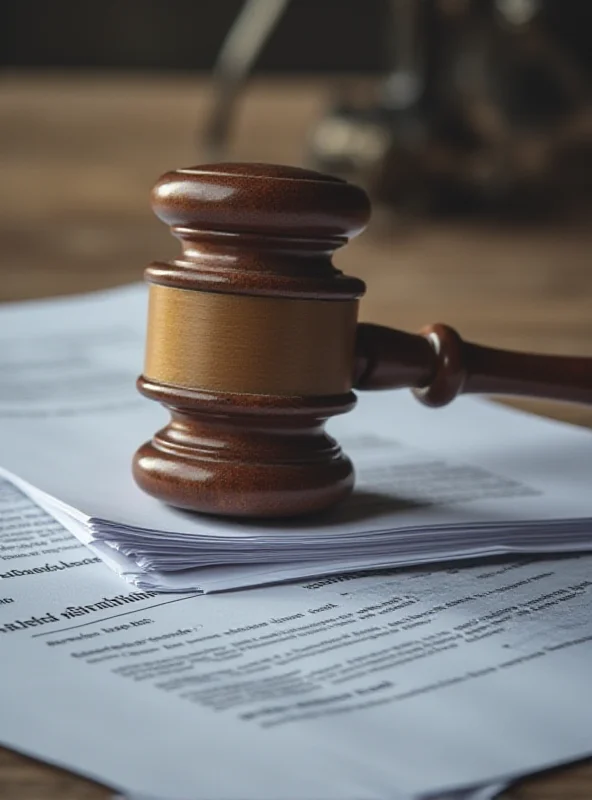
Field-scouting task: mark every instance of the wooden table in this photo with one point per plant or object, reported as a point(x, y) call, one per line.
point(78, 156)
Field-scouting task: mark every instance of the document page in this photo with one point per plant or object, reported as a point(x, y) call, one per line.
point(353, 687)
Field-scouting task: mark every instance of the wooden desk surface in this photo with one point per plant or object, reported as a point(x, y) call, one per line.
point(78, 156)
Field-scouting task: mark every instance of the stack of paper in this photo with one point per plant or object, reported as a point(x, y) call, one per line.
point(474, 479)
point(398, 686)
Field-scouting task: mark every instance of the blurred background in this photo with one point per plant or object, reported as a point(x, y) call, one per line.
point(468, 121)
point(474, 103)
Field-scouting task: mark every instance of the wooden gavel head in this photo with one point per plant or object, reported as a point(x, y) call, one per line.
point(251, 338)
point(253, 343)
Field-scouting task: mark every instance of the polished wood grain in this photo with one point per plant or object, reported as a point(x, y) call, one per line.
point(250, 344)
point(438, 365)
point(78, 157)
point(231, 329)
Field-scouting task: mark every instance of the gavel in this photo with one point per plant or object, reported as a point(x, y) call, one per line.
point(253, 344)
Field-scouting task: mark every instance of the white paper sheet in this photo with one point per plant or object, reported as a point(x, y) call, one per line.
point(344, 687)
point(488, 792)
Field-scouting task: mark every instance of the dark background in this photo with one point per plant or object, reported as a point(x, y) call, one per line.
point(312, 36)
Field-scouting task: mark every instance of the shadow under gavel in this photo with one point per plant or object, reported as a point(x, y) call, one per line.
point(253, 343)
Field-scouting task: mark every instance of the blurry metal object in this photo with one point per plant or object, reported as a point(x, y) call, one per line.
point(403, 86)
point(356, 138)
point(518, 12)
point(245, 40)
point(480, 104)
point(481, 107)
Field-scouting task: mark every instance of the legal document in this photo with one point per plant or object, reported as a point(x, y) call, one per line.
point(473, 479)
point(393, 685)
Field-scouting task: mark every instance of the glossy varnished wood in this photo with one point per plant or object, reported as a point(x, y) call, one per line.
point(232, 325)
point(74, 217)
point(252, 344)
point(438, 365)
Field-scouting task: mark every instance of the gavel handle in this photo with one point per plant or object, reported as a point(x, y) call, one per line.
point(438, 365)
